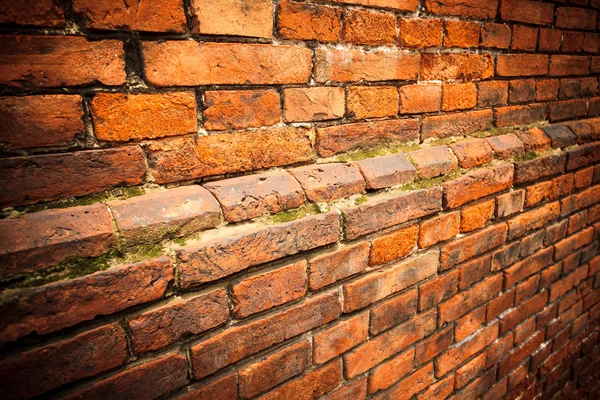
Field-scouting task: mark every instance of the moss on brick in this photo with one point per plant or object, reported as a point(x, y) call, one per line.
point(294, 214)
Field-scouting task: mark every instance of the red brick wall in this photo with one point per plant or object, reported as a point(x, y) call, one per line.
point(379, 199)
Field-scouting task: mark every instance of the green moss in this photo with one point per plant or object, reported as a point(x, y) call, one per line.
point(291, 215)
point(497, 131)
point(530, 155)
point(441, 142)
point(377, 151)
point(361, 200)
point(429, 182)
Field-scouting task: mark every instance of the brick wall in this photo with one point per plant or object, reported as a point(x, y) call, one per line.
point(223, 199)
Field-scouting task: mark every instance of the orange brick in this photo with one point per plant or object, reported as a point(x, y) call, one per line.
point(459, 96)
point(527, 11)
point(455, 66)
point(476, 216)
point(309, 22)
point(394, 311)
point(434, 161)
point(478, 9)
point(438, 229)
point(472, 153)
point(481, 183)
point(492, 93)
point(495, 35)
point(233, 17)
point(390, 372)
point(524, 38)
point(393, 246)
point(340, 338)
point(460, 33)
point(415, 99)
point(366, 27)
point(470, 246)
point(435, 291)
point(372, 101)
point(313, 104)
point(420, 33)
point(332, 267)
point(458, 124)
point(522, 64)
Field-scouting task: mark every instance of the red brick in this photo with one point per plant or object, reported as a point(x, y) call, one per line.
point(580, 201)
point(469, 324)
point(384, 282)
point(402, 5)
point(477, 184)
point(546, 89)
point(549, 190)
point(339, 338)
point(386, 171)
point(538, 168)
point(434, 161)
point(459, 124)
point(242, 340)
point(340, 138)
point(461, 33)
point(47, 238)
point(470, 370)
point(415, 99)
point(534, 139)
point(313, 104)
point(495, 35)
point(477, 215)
point(479, 9)
point(572, 243)
point(161, 16)
point(527, 11)
point(335, 266)
point(45, 13)
point(532, 220)
point(584, 131)
point(456, 66)
point(519, 115)
point(240, 63)
point(528, 267)
point(420, 32)
point(521, 91)
point(309, 22)
point(391, 371)
point(583, 178)
point(509, 203)
point(569, 88)
point(392, 312)
point(371, 353)
point(582, 156)
point(188, 158)
point(525, 310)
point(179, 318)
point(230, 17)
point(555, 232)
point(522, 64)
point(560, 135)
point(466, 301)
point(153, 379)
point(414, 383)
point(521, 353)
point(439, 390)
point(221, 389)
point(498, 305)
point(327, 182)
point(372, 101)
point(40, 121)
point(224, 254)
point(561, 287)
point(492, 93)
point(248, 197)
point(33, 372)
point(389, 211)
point(524, 331)
point(473, 271)
point(532, 243)
point(273, 369)
point(371, 28)
point(550, 39)
point(470, 246)
point(506, 146)
point(354, 390)
point(568, 109)
point(49, 61)
point(339, 65)
point(438, 229)
point(572, 42)
point(472, 153)
point(435, 291)
point(239, 109)
point(268, 290)
point(591, 43)
point(459, 96)
point(576, 18)
point(434, 345)
point(175, 212)
point(569, 65)
point(62, 304)
point(524, 38)
point(393, 246)
point(31, 179)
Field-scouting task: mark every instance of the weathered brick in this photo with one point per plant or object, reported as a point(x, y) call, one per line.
point(463, 351)
point(420, 32)
point(528, 267)
point(572, 243)
point(416, 99)
point(472, 153)
point(408, 387)
point(45, 13)
point(327, 182)
point(524, 38)
point(61, 304)
point(309, 22)
point(492, 93)
point(402, 5)
point(356, 389)
point(273, 369)
point(313, 104)
point(439, 229)
point(474, 271)
point(477, 184)
point(188, 158)
point(226, 254)
point(372, 101)
point(460, 33)
point(469, 324)
point(434, 161)
point(549, 190)
point(580, 201)
point(48, 61)
point(576, 18)
point(240, 63)
point(519, 354)
point(479, 9)
point(591, 43)
point(47, 238)
point(389, 211)
point(435, 291)
point(522, 64)
point(583, 178)
point(439, 390)
point(179, 318)
point(541, 167)
point(33, 372)
point(371, 28)
point(339, 65)
point(459, 96)
point(386, 171)
point(231, 17)
point(248, 197)
point(159, 16)
point(477, 215)
point(469, 371)
point(569, 65)
point(470, 246)
point(340, 337)
point(340, 264)
point(240, 109)
point(509, 203)
point(534, 139)
point(179, 211)
point(561, 287)
point(242, 340)
point(572, 41)
point(393, 246)
point(456, 66)
point(40, 121)
point(569, 88)
point(392, 312)
point(555, 232)
point(585, 132)
point(519, 314)
point(384, 282)
point(221, 389)
point(506, 146)
point(519, 115)
point(582, 156)
point(567, 109)
point(31, 179)
point(495, 35)
point(527, 11)
point(533, 219)
point(546, 89)
point(550, 39)
point(521, 91)
point(391, 371)
point(459, 124)
point(499, 305)
point(339, 138)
